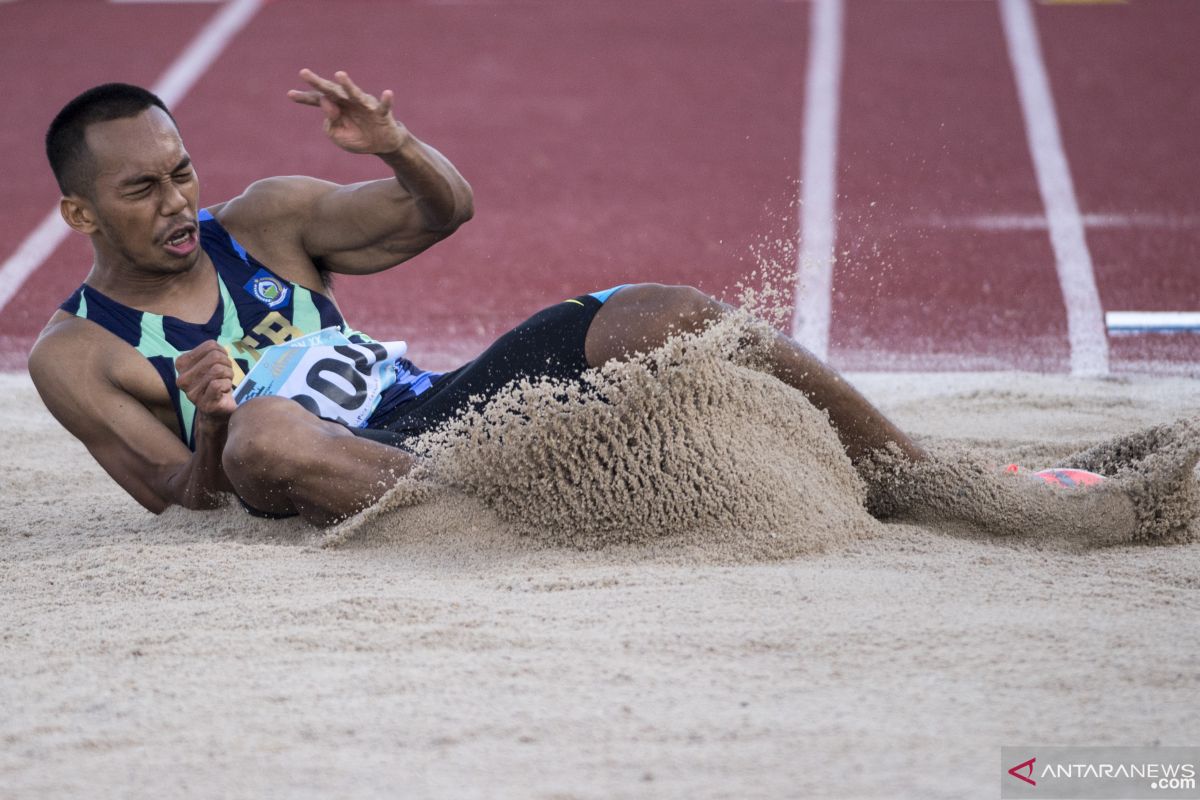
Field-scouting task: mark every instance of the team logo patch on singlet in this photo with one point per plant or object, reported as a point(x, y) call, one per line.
point(326, 373)
point(268, 289)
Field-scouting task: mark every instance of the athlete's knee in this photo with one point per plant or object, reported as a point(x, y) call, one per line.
point(642, 316)
point(679, 307)
point(261, 434)
point(673, 302)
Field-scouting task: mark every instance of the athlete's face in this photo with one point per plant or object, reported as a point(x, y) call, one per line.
point(145, 194)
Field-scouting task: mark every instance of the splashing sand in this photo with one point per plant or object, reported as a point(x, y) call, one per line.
point(688, 442)
point(691, 444)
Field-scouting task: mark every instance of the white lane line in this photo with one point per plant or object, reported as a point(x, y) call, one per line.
point(818, 175)
point(1038, 222)
point(204, 49)
point(1076, 277)
point(1152, 321)
point(37, 247)
point(171, 86)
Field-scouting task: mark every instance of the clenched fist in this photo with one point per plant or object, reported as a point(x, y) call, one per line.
point(205, 375)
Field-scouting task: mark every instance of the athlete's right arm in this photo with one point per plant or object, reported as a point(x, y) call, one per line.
point(75, 378)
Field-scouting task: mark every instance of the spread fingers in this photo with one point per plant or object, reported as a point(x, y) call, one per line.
point(327, 87)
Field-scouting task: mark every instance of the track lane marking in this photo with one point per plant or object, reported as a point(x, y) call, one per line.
point(818, 176)
point(1073, 260)
point(1038, 222)
point(1152, 321)
point(171, 86)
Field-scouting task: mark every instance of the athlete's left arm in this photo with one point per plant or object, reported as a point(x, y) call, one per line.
point(368, 227)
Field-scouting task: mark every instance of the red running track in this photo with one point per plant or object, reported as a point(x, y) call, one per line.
point(1127, 83)
point(625, 141)
point(932, 137)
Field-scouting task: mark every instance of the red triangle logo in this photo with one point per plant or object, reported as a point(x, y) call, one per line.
point(1028, 778)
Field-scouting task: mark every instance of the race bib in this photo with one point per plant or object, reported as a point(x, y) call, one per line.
point(326, 373)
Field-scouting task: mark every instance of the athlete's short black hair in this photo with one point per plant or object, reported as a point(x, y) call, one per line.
point(66, 147)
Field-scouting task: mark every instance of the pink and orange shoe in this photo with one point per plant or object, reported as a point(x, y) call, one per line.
point(1064, 478)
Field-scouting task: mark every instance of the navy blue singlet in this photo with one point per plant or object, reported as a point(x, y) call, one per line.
point(256, 309)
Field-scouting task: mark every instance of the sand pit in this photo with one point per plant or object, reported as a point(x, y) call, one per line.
point(766, 649)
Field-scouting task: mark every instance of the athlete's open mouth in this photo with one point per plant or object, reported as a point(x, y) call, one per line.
point(182, 240)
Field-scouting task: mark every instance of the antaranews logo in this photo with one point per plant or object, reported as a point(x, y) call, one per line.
point(1065, 773)
point(1024, 765)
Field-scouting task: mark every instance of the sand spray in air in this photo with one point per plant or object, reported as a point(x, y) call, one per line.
point(694, 443)
point(687, 442)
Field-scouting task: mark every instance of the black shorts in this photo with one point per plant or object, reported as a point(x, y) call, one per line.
point(548, 344)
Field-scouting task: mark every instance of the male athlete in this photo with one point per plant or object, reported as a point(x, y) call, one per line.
point(204, 352)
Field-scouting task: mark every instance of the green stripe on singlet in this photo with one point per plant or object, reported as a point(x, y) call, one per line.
point(154, 338)
point(231, 326)
point(305, 314)
point(153, 342)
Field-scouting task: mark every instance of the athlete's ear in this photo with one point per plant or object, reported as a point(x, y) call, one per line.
point(78, 214)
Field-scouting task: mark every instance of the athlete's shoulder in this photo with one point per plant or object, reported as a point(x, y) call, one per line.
point(68, 363)
point(63, 330)
point(281, 199)
point(71, 344)
point(80, 369)
point(268, 219)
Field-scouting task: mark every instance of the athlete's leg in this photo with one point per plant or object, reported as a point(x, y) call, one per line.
point(283, 459)
point(642, 316)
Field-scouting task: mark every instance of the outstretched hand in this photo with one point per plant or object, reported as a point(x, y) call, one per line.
point(354, 120)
